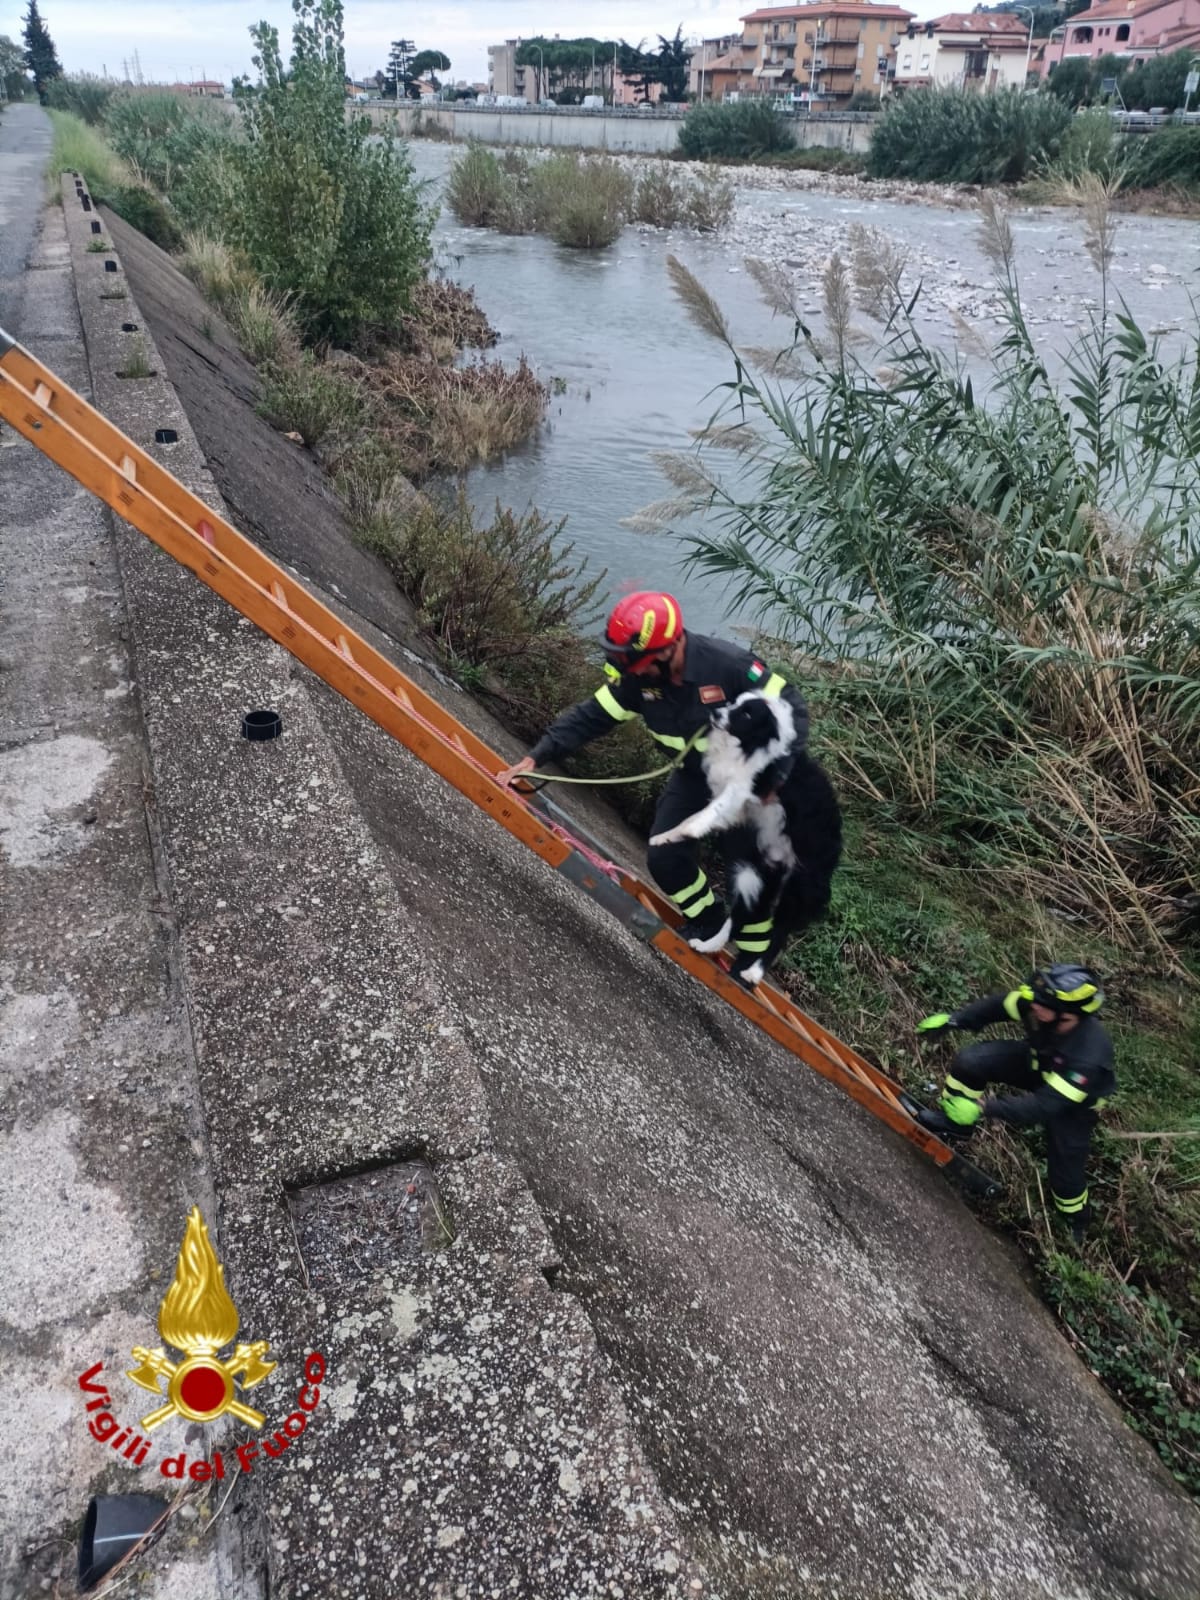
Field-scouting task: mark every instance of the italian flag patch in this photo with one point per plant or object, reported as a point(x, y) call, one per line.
point(757, 672)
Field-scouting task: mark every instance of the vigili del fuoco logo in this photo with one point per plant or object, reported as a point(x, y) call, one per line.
point(198, 1319)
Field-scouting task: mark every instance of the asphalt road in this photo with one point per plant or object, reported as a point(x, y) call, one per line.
point(25, 140)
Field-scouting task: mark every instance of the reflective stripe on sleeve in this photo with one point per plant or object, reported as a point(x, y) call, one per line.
point(1060, 1085)
point(675, 741)
point(1013, 996)
point(774, 686)
point(608, 701)
point(957, 1086)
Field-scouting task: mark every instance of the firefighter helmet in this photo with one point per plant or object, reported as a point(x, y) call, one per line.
point(1066, 987)
point(642, 624)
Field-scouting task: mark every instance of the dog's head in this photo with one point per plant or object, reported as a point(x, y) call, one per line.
point(756, 722)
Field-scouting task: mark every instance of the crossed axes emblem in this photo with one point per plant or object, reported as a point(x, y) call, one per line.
point(198, 1399)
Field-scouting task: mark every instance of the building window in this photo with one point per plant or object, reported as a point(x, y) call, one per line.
point(924, 63)
point(906, 64)
point(1123, 32)
point(1081, 36)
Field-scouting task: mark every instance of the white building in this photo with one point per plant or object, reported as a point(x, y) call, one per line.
point(964, 50)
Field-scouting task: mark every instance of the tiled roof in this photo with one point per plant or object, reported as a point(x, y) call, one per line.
point(977, 22)
point(839, 8)
point(1115, 11)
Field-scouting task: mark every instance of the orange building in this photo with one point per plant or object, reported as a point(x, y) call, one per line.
point(829, 52)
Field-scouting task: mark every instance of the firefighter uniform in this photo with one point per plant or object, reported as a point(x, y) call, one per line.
point(1065, 1077)
point(714, 673)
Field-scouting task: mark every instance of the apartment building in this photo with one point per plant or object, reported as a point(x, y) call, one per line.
point(823, 52)
point(1135, 30)
point(980, 51)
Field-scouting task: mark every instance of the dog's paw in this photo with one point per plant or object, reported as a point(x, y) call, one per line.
point(666, 838)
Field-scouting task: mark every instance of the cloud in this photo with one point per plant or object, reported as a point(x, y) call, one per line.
point(212, 36)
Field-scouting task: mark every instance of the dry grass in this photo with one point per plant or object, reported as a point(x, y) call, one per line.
point(263, 323)
point(214, 269)
point(447, 419)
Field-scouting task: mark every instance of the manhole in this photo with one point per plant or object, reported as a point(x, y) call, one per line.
point(374, 1221)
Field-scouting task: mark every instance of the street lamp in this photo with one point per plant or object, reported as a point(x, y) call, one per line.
point(1029, 46)
point(542, 68)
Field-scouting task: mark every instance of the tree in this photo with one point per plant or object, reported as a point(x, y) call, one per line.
point(326, 211)
point(40, 55)
point(12, 69)
point(431, 62)
point(1158, 81)
point(1071, 81)
point(566, 61)
point(674, 59)
point(637, 67)
point(399, 69)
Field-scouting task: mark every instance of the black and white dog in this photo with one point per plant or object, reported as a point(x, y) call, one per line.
point(797, 834)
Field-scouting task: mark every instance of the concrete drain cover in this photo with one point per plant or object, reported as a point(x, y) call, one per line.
point(351, 1227)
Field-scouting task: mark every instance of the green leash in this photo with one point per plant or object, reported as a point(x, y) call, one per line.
point(635, 777)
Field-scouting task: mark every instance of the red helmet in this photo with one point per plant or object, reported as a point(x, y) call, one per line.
point(641, 625)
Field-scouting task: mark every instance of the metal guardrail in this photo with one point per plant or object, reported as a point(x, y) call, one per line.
point(660, 113)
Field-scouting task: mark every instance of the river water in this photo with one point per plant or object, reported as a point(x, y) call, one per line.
point(632, 374)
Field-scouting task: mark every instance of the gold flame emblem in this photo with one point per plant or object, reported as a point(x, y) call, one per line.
point(198, 1317)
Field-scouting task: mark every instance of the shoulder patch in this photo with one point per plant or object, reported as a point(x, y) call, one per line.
point(757, 672)
point(711, 694)
point(1077, 1077)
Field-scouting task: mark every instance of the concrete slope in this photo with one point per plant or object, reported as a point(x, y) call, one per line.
point(841, 1381)
point(467, 1438)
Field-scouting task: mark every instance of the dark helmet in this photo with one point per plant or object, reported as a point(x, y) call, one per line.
point(644, 624)
point(1066, 987)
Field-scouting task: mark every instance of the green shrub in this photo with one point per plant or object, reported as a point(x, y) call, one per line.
point(709, 202)
point(745, 129)
point(580, 201)
point(310, 397)
point(329, 213)
point(143, 209)
point(659, 196)
point(1166, 156)
point(180, 145)
point(85, 96)
point(476, 186)
point(1090, 144)
point(953, 136)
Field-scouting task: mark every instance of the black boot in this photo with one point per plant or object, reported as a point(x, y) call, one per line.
point(936, 1120)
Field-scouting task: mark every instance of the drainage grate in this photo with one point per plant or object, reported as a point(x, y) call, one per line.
point(351, 1227)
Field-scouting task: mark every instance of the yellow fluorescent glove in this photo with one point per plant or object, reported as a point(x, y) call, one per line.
point(935, 1023)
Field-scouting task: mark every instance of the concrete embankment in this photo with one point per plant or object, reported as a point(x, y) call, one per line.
point(704, 1326)
point(629, 133)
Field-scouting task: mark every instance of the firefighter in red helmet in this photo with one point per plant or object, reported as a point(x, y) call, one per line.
point(673, 680)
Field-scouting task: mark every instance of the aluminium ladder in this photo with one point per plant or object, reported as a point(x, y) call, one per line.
point(80, 440)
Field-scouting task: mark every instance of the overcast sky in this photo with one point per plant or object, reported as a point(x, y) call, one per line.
point(178, 41)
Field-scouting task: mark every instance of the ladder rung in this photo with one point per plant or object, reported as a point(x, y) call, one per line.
point(343, 645)
point(43, 394)
point(205, 531)
point(129, 468)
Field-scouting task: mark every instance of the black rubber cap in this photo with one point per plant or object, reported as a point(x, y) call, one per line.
point(259, 725)
point(110, 266)
point(166, 436)
point(95, 227)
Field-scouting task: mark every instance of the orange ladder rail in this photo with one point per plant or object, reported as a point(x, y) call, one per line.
point(75, 436)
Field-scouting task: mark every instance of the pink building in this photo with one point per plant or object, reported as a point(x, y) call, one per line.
point(1131, 29)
